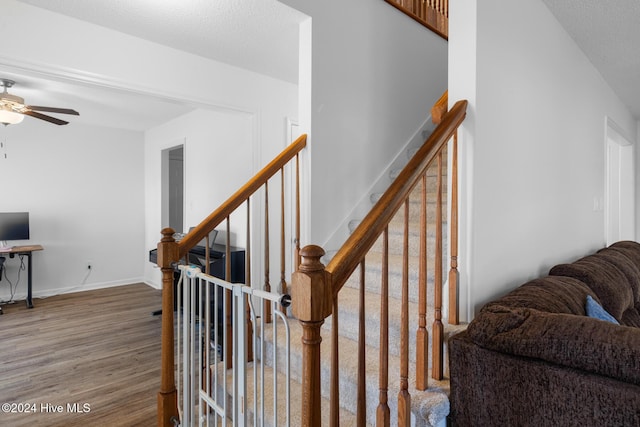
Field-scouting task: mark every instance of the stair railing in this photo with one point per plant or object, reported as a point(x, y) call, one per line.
point(315, 289)
point(170, 252)
point(433, 14)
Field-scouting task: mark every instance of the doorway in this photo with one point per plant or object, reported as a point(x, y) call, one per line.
point(620, 186)
point(173, 188)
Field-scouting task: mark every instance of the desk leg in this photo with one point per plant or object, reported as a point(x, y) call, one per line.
point(29, 297)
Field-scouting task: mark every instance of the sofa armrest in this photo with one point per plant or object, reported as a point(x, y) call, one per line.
point(570, 340)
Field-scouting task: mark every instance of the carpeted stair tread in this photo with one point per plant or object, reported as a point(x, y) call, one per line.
point(373, 275)
point(431, 405)
point(348, 317)
point(347, 419)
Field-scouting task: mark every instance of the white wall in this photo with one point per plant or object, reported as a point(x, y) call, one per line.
point(89, 54)
point(637, 160)
point(83, 187)
point(217, 146)
point(375, 73)
point(534, 146)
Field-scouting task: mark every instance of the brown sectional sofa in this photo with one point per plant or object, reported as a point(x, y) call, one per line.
point(534, 358)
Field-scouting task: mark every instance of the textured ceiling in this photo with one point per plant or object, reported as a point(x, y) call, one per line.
point(258, 35)
point(608, 31)
point(262, 36)
point(97, 106)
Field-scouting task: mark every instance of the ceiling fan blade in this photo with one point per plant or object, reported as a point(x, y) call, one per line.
point(45, 118)
point(53, 110)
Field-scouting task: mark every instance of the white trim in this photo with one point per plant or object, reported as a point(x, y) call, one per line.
point(65, 74)
point(619, 179)
point(19, 297)
point(381, 183)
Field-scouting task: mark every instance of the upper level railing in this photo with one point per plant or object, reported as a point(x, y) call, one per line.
point(170, 252)
point(316, 288)
point(433, 14)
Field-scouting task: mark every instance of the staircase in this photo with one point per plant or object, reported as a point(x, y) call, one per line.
point(433, 14)
point(367, 327)
point(428, 408)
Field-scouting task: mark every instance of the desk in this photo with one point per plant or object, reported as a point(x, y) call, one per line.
point(24, 250)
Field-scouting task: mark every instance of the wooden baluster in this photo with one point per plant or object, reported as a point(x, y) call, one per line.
point(267, 283)
point(207, 254)
point(247, 277)
point(438, 330)
point(296, 257)
point(283, 282)
point(454, 315)
point(227, 276)
point(383, 416)
point(361, 411)
point(422, 335)
point(311, 296)
point(334, 403)
point(168, 395)
point(404, 398)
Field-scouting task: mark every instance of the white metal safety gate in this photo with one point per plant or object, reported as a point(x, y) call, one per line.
point(255, 393)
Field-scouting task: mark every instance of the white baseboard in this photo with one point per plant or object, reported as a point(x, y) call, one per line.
point(22, 295)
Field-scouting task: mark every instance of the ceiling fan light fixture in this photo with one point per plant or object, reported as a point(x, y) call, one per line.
point(13, 108)
point(8, 117)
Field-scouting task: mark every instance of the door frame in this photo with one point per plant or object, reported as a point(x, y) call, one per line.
point(166, 167)
point(619, 205)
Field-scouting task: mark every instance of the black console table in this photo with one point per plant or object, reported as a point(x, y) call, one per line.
point(217, 256)
point(217, 266)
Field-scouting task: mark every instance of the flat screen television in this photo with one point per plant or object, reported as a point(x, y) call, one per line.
point(13, 226)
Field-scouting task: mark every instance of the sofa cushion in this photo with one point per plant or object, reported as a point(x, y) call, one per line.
point(605, 279)
point(564, 336)
point(629, 248)
point(626, 256)
point(553, 294)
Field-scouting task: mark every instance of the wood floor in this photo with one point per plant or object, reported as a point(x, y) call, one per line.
point(93, 355)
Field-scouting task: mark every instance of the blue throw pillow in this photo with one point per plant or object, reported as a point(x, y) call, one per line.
point(596, 311)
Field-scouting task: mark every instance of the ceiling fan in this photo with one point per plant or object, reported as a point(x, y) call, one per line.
point(13, 108)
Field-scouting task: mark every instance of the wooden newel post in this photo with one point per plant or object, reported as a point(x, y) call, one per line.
point(168, 396)
point(311, 297)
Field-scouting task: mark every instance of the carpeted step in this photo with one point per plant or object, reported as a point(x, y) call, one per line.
point(373, 275)
point(259, 403)
point(429, 407)
point(348, 317)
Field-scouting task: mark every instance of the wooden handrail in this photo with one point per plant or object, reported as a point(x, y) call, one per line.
point(316, 288)
point(238, 198)
point(440, 108)
point(345, 261)
point(170, 252)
